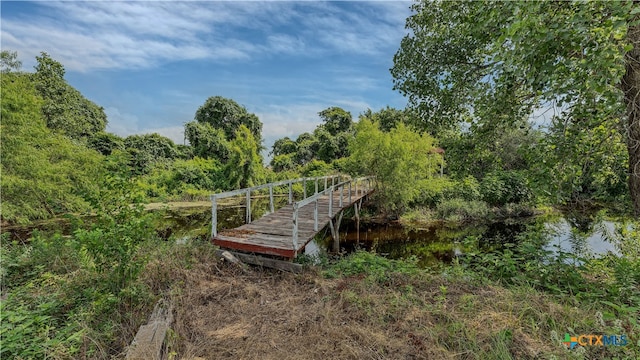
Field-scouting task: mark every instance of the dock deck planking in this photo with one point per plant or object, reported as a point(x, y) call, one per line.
point(273, 233)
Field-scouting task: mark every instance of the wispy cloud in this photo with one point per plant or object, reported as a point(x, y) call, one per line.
point(120, 35)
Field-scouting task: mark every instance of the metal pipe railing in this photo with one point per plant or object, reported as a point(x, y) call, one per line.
point(247, 192)
point(314, 199)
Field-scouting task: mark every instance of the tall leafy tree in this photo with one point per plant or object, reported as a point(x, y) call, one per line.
point(494, 62)
point(244, 168)
point(207, 141)
point(64, 108)
point(388, 117)
point(43, 173)
point(336, 120)
point(227, 115)
point(148, 149)
point(9, 61)
point(398, 158)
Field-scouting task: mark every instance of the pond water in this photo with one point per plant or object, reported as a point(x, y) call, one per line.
point(580, 234)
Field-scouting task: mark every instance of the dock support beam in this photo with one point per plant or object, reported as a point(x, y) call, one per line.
point(335, 232)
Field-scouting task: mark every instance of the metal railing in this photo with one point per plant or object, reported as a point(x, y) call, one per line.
point(348, 185)
point(247, 193)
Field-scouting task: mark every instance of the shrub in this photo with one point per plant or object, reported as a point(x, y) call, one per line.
point(461, 210)
point(503, 187)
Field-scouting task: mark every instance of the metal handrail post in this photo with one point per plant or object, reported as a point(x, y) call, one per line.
point(331, 202)
point(248, 207)
point(214, 216)
point(290, 193)
point(316, 186)
point(341, 194)
point(304, 185)
point(349, 192)
point(325, 183)
point(295, 227)
point(315, 216)
point(271, 205)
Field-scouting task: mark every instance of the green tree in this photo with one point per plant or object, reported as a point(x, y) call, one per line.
point(244, 168)
point(43, 173)
point(399, 159)
point(284, 146)
point(65, 110)
point(492, 62)
point(207, 141)
point(148, 149)
point(9, 61)
point(283, 162)
point(389, 117)
point(105, 142)
point(336, 120)
point(227, 115)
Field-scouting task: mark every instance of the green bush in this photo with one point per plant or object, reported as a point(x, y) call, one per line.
point(461, 210)
point(377, 268)
point(503, 187)
point(432, 191)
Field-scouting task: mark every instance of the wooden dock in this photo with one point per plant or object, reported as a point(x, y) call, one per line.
point(285, 232)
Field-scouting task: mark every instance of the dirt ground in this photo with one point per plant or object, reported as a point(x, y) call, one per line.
point(223, 312)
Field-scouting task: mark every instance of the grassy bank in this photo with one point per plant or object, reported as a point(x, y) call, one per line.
point(365, 306)
point(58, 304)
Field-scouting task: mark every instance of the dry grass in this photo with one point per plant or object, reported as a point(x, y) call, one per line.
point(224, 313)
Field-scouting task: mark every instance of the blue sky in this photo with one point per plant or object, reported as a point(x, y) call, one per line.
point(151, 64)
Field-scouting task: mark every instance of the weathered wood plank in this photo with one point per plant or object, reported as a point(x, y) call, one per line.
point(273, 233)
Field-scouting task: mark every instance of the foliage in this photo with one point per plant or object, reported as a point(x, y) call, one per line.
point(492, 64)
point(244, 168)
point(105, 143)
point(9, 61)
point(149, 149)
point(490, 147)
point(388, 118)
point(207, 141)
point(73, 296)
point(500, 188)
point(329, 142)
point(177, 179)
point(284, 162)
point(432, 191)
point(375, 267)
point(43, 173)
point(227, 115)
point(399, 159)
point(336, 120)
point(608, 280)
point(284, 146)
point(316, 168)
point(65, 110)
point(459, 210)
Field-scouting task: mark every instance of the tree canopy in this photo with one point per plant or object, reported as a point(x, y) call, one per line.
point(64, 108)
point(43, 173)
point(336, 120)
point(227, 115)
point(490, 63)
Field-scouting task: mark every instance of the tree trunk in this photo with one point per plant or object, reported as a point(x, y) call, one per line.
point(631, 87)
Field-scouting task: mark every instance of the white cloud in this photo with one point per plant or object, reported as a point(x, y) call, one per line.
point(121, 124)
point(119, 35)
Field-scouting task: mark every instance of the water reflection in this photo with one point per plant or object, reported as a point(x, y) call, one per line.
point(440, 244)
